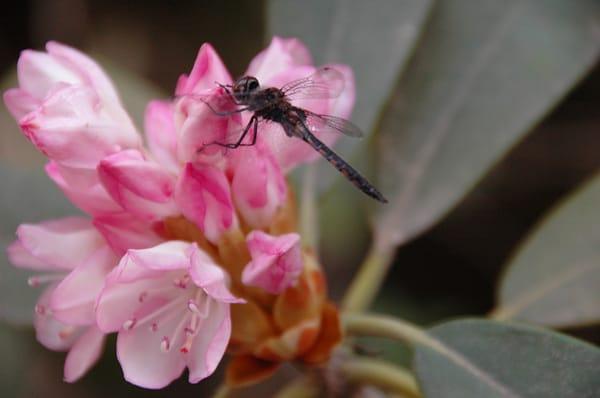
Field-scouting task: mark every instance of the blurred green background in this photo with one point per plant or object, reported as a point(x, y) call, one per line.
point(448, 270)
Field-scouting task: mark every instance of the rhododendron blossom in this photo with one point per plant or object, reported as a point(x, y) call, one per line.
point(188, 250)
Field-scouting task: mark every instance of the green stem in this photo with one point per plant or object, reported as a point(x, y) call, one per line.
point(367, 282)
point(389, 327)
point(381, 374)
point(308, 208)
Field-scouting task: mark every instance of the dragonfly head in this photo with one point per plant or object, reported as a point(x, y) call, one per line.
point(244, 87)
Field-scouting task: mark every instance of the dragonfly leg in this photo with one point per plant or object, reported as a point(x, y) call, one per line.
point(254, 133)
point(253, 121)
point(228, 113)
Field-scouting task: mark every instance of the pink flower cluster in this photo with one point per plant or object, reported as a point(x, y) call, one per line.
point(118, 269)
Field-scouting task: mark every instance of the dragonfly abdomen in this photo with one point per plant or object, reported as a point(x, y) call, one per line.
point(342, 166)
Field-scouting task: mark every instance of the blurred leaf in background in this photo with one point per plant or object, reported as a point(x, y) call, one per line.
point(554, 278)
point(484, 73)
point(477, 358)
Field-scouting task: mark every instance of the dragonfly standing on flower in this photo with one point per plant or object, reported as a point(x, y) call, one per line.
point(274, 104)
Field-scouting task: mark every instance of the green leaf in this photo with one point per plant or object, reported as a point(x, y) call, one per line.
point(554, 278)
point(477, 358)
point(484, 73)
point(375, 41)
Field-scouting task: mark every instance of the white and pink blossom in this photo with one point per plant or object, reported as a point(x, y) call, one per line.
point(163, 245)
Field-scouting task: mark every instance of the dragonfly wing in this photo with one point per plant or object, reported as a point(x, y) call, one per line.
point(327, 123)
point(325, 83)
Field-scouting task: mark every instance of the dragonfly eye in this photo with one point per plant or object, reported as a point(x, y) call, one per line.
point(252, 84)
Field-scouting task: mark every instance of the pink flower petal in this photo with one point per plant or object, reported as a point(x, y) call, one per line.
point(87, 69)
point(19, 102)
point(159, 125)
point(152, 277)
point(204, 197)
point(20, 257)
point(74, 298)
point(63, 243)
point(149, 357)
point(50, 332)
point(84, 354)
point(282, 54)
point(122, 232)
point(141, 187)
point(276, 261)
point(342, 106)
point(210, 277)
point(131, 295)
point(71, 128)
point(90, 197)
point(258, 185)
point(210, 343)
point(39, 72)
point(207, 70)
point(199, 127)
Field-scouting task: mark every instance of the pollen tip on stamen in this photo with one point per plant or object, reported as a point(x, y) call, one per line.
point(33, 281)
point(129, 324)
point(180, 283)
point(40, 309)
point(165, 344)
point(189, 331)
point(154, 327)
point(66, 332)
point(193, 307)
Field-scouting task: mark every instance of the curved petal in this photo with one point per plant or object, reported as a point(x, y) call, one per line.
point(71, 128)
point(39, 72)
point(343, 105)
point(210, 343)
point(207, 71)
point(140, 186)
point(204, 197)
point(210, 277)
point(89, 197)
point(20, 257)
point(276, 261)
point(84, 354)
point(87, 69)
point(123, 232)
point(199, 127)
point(159, 125)
point(258, 185)
point(74, 298)
point(19, 102)
point(127, 300)
point(149, 357)
point(63, 243)
point(50, 332)
point(143, 281)
point(280, 55)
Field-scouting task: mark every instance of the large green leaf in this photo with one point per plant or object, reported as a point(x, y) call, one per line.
point(375, 39)
point(477, 358)
point(484, 73)
point(554, 278)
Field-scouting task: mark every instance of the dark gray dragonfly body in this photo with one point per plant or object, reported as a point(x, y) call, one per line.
point(274, 104)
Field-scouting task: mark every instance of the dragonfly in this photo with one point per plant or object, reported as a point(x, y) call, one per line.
point(276, 105)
